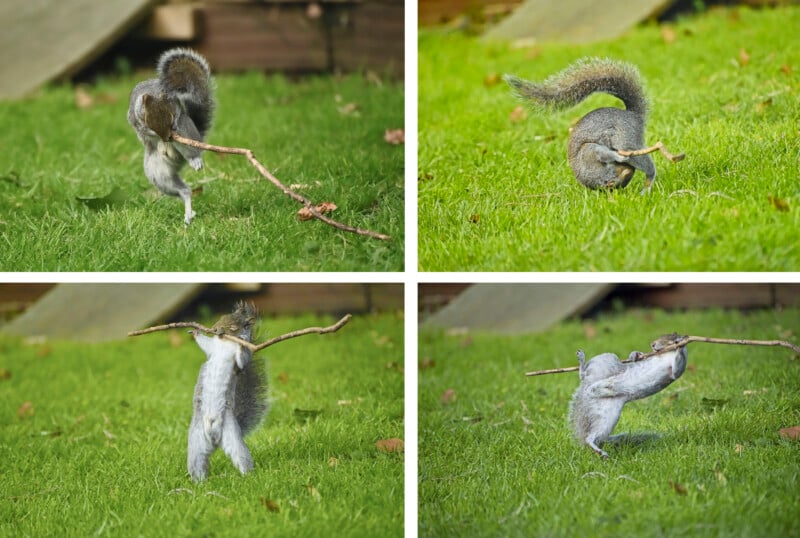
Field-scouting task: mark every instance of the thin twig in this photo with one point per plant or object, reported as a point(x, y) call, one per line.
point(286, 190)
point(680, 343)
point(249, 345)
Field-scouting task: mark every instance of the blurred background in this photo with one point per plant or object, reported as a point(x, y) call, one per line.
point(47, 40)
point(98, 312)
point(530, 308)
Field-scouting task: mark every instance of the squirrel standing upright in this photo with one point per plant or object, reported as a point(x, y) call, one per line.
point(608, 384)
point(181, 99)
point(230, 395)
point(606, 146)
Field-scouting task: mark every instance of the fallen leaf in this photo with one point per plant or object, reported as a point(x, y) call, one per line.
point(25, 410)
point(394, 136)
point(778, 203)
point(350, 109)
point(448, 396)
point(668, 34)
point(692, 368)
point(394, 444)
point(4, 374)
point(283, 377)
point(589, 331)
point(426, 363)
point(518, 114)
point(175, 339)
point(786, 69)
point(790, 433)
point(721, 477)
point(313, 491)
point(679, 488)
point(763, 105)
point(744, 57)
point(325, 207)
point(491, 79)
point(270, 505)
point(333, 462)
point(475, 218)
point(83, 99)
point(425, 177)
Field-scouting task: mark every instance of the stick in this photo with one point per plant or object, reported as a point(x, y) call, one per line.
point(658, 146)
point(286, 190)
point(680, 343)
point(249, 345)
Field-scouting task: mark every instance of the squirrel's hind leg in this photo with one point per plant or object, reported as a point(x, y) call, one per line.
point(186, 195)
point(233, 444)
point(591, 441)
point(200, 448)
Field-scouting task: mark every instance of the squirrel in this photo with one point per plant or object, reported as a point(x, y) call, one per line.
point(606, 146)
point(181, 99)
point(230, 395)
point(607, 384)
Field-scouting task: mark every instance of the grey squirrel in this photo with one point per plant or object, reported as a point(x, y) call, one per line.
point(608, 384)
point(230, 395)
point(607, 145)
point(181, 99)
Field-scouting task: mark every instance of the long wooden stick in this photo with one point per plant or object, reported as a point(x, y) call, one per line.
point(680, 343)
point(286, 190)
point(249, 345)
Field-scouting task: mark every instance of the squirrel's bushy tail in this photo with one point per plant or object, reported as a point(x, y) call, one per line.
point(185, 74)
point(584, 77)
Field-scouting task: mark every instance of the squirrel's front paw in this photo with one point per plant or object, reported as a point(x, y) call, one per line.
point(187, 218)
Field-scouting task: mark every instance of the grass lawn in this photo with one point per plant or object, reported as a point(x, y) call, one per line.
point(496, 192)
point(324, 135)
point(499, 459)
point(104, 451)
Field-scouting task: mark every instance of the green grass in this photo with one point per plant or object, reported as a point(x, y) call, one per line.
point(64, 476)
point(712, 212)
point(500, 460)
point(54, 153)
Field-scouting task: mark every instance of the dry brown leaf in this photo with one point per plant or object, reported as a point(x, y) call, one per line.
point(83, 99)
point(778, 203)
point(744, 57)
point(518, 114)
point(763, 105)
point(270, 505)
point(448, 396)
point(790, 433)
point(679, 488)
point(692, 368)
point(313, 491)
point(25, 410)
point(475, 218)
point(668, 34)
point(426, 363)
point(325, 207)
point(786, 69)
point(4, 374)
point(589, 331)
point(425, 177)
point(175, 338)
point(350, 109)
point(394, 136)
point(491, 79)
point(395, 444)
point(283, 377)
